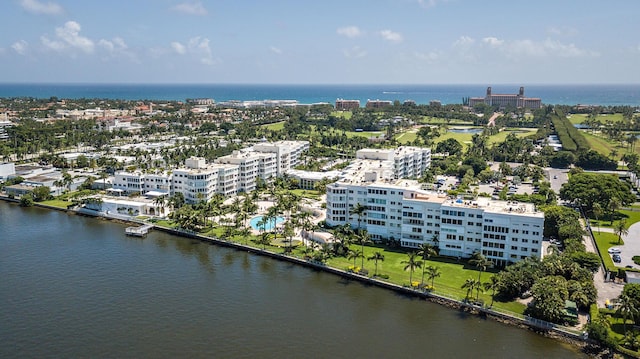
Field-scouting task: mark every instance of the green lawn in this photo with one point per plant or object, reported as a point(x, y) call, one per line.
point(606, 240)
point(306, 193)
point(366, 134)
point(342, 114)
point(465, 138)
point(449, 283)
point(580, 117)
point(601, 144)
point(57, 203)
point(630, 218)
point(277, 126)
point(406, 137)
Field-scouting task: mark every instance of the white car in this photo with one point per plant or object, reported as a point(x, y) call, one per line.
point(614, 250)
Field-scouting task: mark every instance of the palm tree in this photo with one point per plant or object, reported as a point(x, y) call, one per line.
point(363, 238)
point(621, 229)
point(470, 285)
point(481, 262)
point(433, 273)
point(492, 285)
point(160, 203)
point(263, 240)
point(597, 212)
point(377, 256)
point(613, 205)
point(425, 250)
point(354, 254)
point(626, 308)
point(359, 210)
point(411, 264)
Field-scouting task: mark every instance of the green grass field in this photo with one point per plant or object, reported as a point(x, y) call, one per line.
point(57, 203)
point(342, 114)
point(277, 126)
point(579, 118)
point(449, 283)
point(406, 137)
point(630, 218)
point(465, 138)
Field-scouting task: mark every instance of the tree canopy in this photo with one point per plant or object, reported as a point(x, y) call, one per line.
point(587, 189)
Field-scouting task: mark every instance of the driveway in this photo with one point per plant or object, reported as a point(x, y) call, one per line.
point(631, 247)
point(557, 177)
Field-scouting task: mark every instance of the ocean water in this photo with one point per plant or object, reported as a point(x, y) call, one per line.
point(607, 95)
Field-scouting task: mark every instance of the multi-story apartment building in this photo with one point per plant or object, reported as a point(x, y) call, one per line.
point(199, 181)
point(139, 182)
point(251, 165)
point(407, 161)
point(378, 103)
point(342, 104)
point(400, 210)
point(287, 153)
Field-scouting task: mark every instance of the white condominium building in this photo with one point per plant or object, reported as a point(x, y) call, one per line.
point(139, 182)
point(251, 165)
point(199, 181)
point(287, 153)
point(400, 210)
point(406, 161)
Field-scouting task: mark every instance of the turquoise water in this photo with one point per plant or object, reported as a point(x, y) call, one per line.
point(267, 226)
point(421, 94)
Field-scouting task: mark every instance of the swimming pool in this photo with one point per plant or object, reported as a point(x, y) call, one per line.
point(267, 226)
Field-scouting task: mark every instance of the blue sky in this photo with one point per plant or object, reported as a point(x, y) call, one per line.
point(324, 42)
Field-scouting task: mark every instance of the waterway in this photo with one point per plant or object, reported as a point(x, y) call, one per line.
point(74, 286)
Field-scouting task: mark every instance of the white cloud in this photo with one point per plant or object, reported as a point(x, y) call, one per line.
point(200, 47)
point(546, 48)
point(430, 57)
point(354, 53)
point(197, 47)
point(463, 41)
point(391, 35)
point(350, 31)
point(20, 47)
point(468, 49)
point(562, 31)
point(493, 41)
point(275, 50)
point(191, 8)
point(117, 47)
point(178, 48)
point(38, 7)
point(68, 37)
point(426, 4)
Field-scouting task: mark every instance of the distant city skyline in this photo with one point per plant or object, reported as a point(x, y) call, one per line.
point(320, 42)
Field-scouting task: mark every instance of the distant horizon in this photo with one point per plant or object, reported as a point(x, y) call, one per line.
point(323, 83)
point(561, 94)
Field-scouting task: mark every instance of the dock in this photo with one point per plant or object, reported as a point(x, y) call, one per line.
point(138, 231)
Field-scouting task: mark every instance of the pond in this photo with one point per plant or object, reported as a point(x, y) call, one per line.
point(466, 130)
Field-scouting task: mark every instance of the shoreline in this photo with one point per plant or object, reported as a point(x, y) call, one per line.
point(576, 340)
